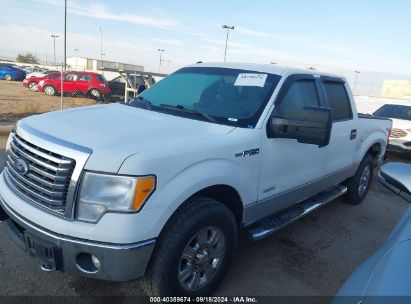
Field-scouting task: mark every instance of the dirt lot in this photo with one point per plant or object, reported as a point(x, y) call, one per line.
point(313, 256)
point(16, 101)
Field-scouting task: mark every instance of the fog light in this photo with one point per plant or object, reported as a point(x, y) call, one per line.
point(88, 263)
point(96, 262)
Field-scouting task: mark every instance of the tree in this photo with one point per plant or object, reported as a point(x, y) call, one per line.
point(27, 58)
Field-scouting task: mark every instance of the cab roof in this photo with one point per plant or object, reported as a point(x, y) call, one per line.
point(264, 68)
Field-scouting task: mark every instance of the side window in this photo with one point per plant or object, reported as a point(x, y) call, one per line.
point(70, 77)
point(338, 100)
point(85, 77)
point(301, 93)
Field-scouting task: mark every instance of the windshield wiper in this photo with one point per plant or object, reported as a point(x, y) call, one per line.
point(187, 110)
point(140, 100)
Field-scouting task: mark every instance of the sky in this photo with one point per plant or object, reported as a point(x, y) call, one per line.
point(371, 36)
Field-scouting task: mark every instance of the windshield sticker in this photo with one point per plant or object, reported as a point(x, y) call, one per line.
point(251, 80)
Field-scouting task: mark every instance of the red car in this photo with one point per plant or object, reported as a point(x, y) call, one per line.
point(89, 84)
point(32, 82)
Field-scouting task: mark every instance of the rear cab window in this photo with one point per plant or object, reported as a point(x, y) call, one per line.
point(338, 99)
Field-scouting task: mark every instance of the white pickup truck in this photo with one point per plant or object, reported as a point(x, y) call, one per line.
point(159, 188)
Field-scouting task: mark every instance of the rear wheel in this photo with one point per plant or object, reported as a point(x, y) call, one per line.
point(193, 252)
point(7, 77)
point(49, 90)
point(32, 86)
point(360, 183)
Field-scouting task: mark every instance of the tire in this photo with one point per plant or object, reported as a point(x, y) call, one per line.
point(95, 94)
point(360, 183)
point(32, 86)
point(49, 90)
point(7, 77)
point(170, 272)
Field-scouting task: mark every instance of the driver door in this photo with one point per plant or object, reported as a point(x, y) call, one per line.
point(289, 169)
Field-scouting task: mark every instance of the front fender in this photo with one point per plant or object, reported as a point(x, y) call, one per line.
point(199, 176)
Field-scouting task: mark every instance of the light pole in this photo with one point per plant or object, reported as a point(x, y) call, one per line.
point(76, 50)
point(54, 42)
point(65, 34)
point(228, 27)
point(355, 81)
point(161, 60)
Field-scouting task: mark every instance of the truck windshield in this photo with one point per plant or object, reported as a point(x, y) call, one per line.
point(220, 95)
point(394, 111)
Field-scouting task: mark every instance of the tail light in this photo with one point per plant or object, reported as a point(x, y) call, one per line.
point(389, 135)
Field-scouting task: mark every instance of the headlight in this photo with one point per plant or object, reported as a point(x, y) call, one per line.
point(9, 140)
point(101, 193)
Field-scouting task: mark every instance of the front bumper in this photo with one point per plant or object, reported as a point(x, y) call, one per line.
point(118, 262)
point(402, 149)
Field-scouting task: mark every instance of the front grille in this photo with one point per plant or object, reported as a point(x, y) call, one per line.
point(48, 176)
point(398, 133)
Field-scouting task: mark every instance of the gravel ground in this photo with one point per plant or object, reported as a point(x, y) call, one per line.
point(16, 101)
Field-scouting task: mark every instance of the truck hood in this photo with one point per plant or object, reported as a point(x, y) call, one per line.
point(115, 132)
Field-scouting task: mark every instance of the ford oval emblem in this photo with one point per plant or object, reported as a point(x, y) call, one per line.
point(21, 166)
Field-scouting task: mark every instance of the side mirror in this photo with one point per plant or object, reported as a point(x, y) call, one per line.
point(397, 178)
point(141, 88)
point(314, 127)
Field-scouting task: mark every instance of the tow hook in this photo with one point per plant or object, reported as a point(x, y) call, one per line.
point(47, 267)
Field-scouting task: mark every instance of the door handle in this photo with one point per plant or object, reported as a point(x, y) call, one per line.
point(353, 134)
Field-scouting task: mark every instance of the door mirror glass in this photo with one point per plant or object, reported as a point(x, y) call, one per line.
point(313, 126)
point(141, 88)
point(397, 178)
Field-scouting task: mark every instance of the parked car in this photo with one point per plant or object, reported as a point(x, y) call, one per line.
point(7, 72)
point(92, 85)
point(386, 274)
point(36, 71)
point(118, 86)
point(32, 82)
point(159, 187)
point(400, 138)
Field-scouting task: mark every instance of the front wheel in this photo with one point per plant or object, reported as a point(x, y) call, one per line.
point(32, 86)
point(193, 252)
point(360, 183)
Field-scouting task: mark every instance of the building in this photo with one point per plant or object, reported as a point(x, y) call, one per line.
point(89, 64)
point(396, 89)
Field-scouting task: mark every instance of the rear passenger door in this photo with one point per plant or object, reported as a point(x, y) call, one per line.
point(344, 134)
point(83, 83)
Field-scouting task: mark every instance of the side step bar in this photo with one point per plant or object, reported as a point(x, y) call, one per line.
point(279, 220)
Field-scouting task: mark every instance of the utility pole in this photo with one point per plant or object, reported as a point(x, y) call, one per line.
point(228, 27)
point(161, 60)
point(76, 50)
point(54, 42)
point(101, 46)
point(65, 34)
point(356, 80)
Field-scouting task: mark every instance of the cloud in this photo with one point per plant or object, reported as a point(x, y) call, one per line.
point(100, 11)
point(171, 42)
